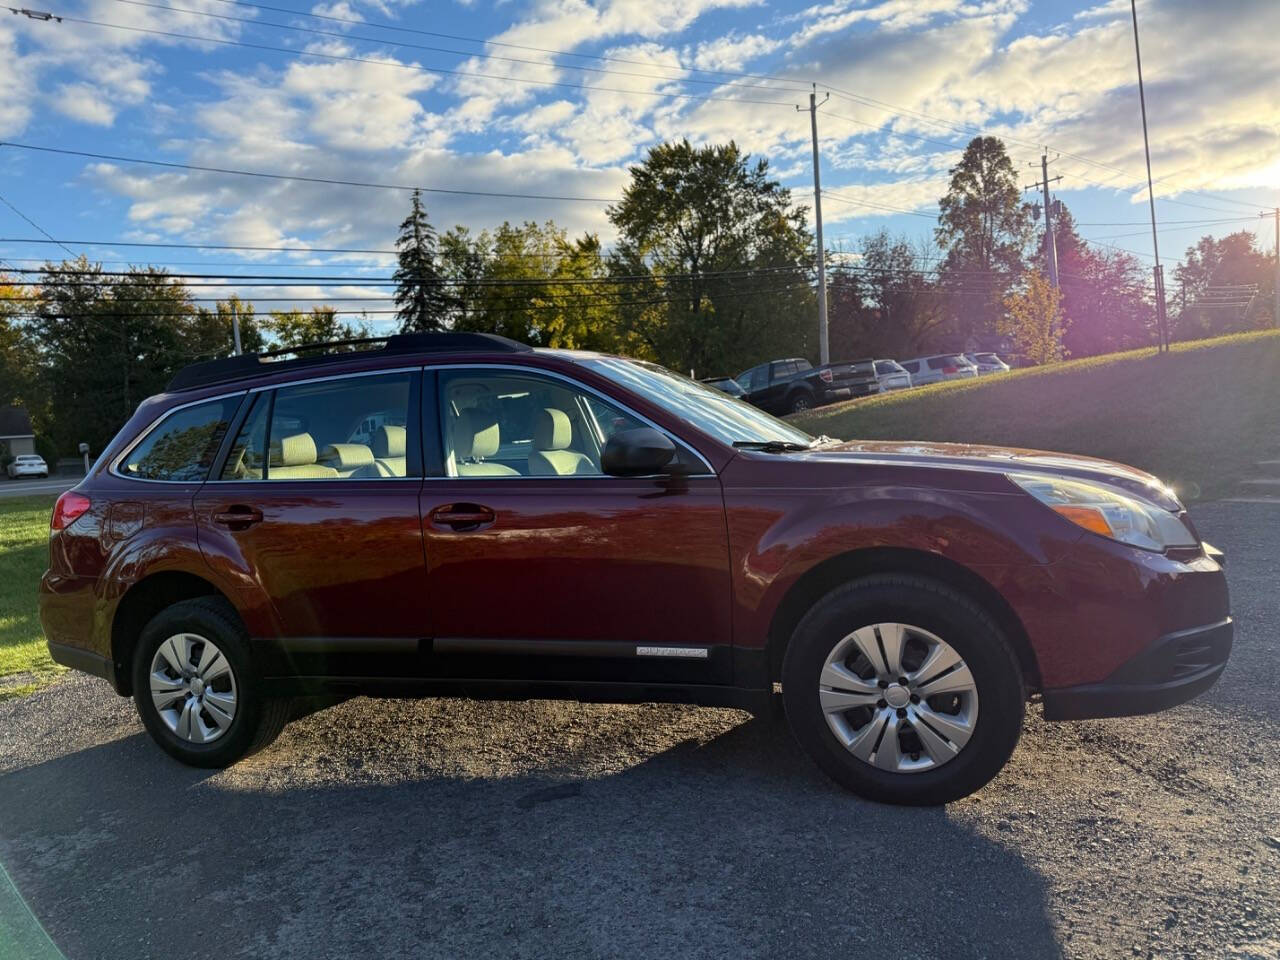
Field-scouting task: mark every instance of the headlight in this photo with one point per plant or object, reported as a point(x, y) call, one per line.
point(1106, 511)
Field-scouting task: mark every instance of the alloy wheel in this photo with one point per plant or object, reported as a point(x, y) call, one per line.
point(898, 697)
point(193, 688)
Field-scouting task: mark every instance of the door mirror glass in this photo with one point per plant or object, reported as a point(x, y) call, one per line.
point(637, 453)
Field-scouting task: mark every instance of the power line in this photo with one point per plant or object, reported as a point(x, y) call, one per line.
point(883, 206)
point(417, 68)
point(461, 53)
point(399, 28)
point(287, 176)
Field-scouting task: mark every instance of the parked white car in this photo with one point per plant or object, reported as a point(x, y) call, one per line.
point(939, 367)
point(987, 363)
point(28, 465)
point(891, 376)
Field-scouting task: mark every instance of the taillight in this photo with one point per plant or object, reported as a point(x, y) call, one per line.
point(948, 370)
point(69, 508)
point(825, 376)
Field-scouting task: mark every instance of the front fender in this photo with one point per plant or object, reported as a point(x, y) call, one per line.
point(777, 535)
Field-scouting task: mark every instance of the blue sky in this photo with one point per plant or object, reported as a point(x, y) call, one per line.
point(566, 93)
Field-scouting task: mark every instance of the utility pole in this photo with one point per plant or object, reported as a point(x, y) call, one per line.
point(1275, 215)
point(824, 347)
point(1162, 323)
point(235, 330)
point(1050, 241)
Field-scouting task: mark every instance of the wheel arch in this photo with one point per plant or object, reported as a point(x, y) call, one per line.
point(140, 603)
point(855, 564)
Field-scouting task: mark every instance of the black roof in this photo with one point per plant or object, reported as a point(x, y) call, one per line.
point(14, 422)
point(250, 365)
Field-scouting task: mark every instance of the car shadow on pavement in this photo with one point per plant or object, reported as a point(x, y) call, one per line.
point(727, 847)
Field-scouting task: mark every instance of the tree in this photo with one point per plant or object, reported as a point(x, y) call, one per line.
point(1104, 293)
point(290, 329)
point(102, 344)
point(1035, 321)
point(420, 295)
point(15, 355)
point(1217, 279)
point(212, 330)
point(897, 306)
point(984, 229)
point(716, 260)
point(533, 284)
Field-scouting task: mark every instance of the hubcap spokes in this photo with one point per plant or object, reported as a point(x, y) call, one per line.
point(898, 697)
point(193, 688)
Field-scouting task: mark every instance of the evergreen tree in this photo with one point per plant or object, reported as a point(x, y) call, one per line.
point(421, 299)
point(984, 228)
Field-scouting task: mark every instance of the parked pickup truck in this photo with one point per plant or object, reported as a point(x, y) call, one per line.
point(789, 386)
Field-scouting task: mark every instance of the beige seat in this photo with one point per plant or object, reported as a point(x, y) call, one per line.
point(389, 451)
point(346, 458)
point(294, 458)
point(476, 435)
point(551, 456)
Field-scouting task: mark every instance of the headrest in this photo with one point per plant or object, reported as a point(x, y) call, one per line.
point(388, 441)
point(295, 451)
point(346, 456)
point(476, 434)
point(552, 430)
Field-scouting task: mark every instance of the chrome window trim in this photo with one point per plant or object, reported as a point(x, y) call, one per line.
point(114, 470)
point(578, 384)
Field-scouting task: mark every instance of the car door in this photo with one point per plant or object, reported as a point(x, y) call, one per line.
point(320, 531)
point(541, 566)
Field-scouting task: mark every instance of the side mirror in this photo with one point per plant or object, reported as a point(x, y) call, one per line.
point(636, 453)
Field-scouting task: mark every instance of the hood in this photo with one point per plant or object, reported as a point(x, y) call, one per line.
point(1005, 460)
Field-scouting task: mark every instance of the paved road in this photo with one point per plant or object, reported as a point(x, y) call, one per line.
point(26, 488)
point(459, 829)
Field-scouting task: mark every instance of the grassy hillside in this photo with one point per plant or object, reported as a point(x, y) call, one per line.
point(1199, 417)
point(24, 554)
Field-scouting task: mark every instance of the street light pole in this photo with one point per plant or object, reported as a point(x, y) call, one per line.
point(1161, 319)
point(824, 347)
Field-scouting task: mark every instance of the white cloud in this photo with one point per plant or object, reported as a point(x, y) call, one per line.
point(80, 101)
point(733, 51)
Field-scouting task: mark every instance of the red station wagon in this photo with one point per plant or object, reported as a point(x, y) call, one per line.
point(457, 514)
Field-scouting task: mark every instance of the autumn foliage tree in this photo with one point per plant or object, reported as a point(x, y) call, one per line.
point(1034, 319)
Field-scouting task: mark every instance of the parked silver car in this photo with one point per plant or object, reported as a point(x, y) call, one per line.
point(939, 367)
point(891, 375)
point(987, 363)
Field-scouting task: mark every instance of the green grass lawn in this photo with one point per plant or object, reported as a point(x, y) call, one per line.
point(1199, 417)
point(24, 554)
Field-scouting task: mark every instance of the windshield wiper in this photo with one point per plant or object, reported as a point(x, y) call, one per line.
point(770, 446)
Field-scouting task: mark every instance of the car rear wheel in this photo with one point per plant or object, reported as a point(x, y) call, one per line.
point(903, 690)
point(195, 688)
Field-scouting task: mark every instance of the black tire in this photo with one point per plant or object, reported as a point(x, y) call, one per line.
point(258, 720)
point(799, 401)
point(948, 614)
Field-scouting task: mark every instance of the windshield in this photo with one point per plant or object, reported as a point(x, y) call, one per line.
point(714, 413)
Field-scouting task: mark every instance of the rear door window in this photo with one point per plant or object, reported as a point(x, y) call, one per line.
point(182, 447)
point(352, 428)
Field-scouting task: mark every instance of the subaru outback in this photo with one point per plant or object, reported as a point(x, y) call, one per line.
point(458, 514)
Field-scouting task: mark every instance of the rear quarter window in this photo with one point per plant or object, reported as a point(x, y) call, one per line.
point(183, 445)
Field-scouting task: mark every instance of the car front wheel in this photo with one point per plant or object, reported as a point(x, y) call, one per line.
point(903, 690)
point(195, 688)
point(800, 402)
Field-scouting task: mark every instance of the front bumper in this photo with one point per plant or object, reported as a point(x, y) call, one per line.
point(1177, 667)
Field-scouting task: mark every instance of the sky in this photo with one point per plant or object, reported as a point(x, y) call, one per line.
point(555, 99)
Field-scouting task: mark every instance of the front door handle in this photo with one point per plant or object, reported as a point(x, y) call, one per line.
point(462, 516)
point(238, 517)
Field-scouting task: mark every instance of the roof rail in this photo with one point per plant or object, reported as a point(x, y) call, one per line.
point(246, 366)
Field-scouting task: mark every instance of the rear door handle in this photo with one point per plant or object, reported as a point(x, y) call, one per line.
point(238, 517)
point(462, 516)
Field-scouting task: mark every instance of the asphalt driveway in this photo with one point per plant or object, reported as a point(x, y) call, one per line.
point(460, 829)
